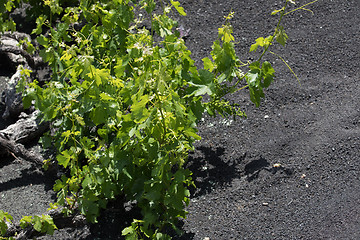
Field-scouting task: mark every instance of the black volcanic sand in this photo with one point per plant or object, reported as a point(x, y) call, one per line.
point(311, 132)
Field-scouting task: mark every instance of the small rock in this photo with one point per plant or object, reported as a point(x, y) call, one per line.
point(276, 165)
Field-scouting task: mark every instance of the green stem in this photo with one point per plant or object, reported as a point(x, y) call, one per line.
point(302, 7)
point(162, 116)
point(273, 36)
point(287, 66)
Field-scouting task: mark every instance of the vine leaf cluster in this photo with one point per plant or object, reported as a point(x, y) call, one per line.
point(124, 103)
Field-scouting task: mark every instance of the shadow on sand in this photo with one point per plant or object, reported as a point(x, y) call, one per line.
point(210, 170)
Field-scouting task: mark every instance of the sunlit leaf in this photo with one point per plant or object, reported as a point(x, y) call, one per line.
point(64, 158)
point(208, 64)
point(180, 10)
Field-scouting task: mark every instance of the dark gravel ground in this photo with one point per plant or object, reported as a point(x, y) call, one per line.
point(312, 130)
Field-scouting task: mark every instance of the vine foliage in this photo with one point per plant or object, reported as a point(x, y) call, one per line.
point(124, 102)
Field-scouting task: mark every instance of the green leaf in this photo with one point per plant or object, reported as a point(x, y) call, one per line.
point(80, 120)
point(202, 90)
point(48, 225)
point(4, 217)
point(191, 132)
point(9, 5)
point(66, 134)
point(226, 34)
point(27, 99)
point(255, 66)
point(106, 97)
point(206, 84)
point(37, 223)
point(259, 42)
point(98, 115)
point(60, 184)
point(99, 75)
point(253, 78)
point(197, 107)
point(255, 95)
point(54, 6)
point(127, 231)
point(139, 110)
point(25, 221)
point(154, 194)
point(208, 64)
point(120, 66)
point(228, 38)
point(176, 4)
point(281, 36)
point(3, 227)
point(39, 23)
point(206, 77)
point(268, 72)
point(130, 233)
point(86, 182)
point(64, 158)
point(267, 68)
